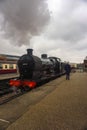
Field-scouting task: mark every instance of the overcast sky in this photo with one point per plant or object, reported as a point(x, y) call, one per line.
point(58, 28)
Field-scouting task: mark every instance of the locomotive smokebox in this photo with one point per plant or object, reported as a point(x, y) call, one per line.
point(44, 56)
point(29, 51)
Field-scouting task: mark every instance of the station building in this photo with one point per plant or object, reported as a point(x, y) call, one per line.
point(85, 64)
point(74, 65)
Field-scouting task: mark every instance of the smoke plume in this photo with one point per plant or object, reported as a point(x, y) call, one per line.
point(22, 19)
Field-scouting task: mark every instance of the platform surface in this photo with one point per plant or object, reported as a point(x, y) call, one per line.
point(58, 105)
point(7, 76)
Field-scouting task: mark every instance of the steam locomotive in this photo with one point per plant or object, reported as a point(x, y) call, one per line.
point(33, 69)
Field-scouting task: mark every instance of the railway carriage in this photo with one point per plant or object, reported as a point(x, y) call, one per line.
point(8, 64)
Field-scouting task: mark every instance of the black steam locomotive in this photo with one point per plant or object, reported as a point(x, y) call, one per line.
point(33, 69)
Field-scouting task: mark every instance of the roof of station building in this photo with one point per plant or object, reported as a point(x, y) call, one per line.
point(8, 57)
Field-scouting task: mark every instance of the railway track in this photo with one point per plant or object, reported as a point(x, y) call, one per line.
point(7, 94)
point(4, 86)
point(8, 97)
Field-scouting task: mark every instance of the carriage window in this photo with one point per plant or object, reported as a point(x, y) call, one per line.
point(1, 67)
point(11, 66)
point(6, 66)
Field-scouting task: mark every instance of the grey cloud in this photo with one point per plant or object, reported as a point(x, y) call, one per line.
point(81, 45)
point(70, 23)
point(23, 19)
point(64, 37)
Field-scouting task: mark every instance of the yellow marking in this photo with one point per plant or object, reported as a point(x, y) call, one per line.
point(4, 121)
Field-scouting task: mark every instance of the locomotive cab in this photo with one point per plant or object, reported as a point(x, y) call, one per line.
point(56, 64)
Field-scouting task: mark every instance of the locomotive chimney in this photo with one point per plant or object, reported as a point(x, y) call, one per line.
point(29, 51)
point(44, 56)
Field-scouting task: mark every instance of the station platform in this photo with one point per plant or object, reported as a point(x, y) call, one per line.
point(7, 76)
point(58, 105)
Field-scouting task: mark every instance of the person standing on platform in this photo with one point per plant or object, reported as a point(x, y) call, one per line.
point(67, 70)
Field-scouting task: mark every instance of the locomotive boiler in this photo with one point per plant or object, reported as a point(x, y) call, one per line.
point(30, 66)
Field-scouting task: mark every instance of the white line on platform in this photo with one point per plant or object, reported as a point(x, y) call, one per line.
point(4, 121)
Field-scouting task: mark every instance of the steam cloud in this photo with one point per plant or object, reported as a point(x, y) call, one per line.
point(22, 19)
